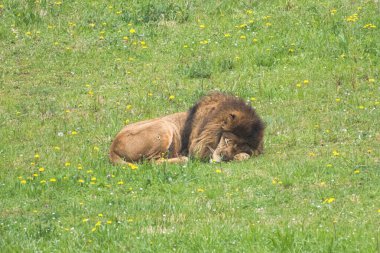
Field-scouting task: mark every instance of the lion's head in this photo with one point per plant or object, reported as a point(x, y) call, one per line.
point(223, 126)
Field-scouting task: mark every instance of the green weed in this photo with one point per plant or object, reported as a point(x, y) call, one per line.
point(72, 73)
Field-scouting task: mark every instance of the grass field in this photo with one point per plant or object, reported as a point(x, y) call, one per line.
point(72, 73)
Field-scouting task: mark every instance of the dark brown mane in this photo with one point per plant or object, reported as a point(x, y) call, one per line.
point(217, 113)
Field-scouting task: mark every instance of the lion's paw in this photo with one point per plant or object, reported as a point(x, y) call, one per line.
point(241, 157)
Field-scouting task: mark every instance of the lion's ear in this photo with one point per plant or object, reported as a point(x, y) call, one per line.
point(229, 121)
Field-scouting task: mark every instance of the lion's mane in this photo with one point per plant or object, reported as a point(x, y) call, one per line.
point(217, 113)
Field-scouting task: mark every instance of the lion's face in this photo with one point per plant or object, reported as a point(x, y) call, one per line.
point(231, 147)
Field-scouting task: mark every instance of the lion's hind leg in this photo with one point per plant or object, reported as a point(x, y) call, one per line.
point(174, 160)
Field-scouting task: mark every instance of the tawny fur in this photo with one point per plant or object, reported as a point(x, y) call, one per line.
point(219, 125)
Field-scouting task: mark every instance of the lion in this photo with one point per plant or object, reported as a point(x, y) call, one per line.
point(219, 127)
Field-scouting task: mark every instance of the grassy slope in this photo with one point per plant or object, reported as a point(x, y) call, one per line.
point(70, 81)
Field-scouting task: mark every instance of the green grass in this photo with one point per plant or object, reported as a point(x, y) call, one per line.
point(72, 73)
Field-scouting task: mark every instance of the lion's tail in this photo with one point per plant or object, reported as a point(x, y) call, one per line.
point(115, 158)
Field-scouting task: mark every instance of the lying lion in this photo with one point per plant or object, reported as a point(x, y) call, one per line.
point(219, 127)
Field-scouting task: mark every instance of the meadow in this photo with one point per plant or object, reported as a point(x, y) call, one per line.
point(73, 73)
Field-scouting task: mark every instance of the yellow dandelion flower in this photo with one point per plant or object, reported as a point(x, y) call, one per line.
point(227, 35)
point(85, 220)
point(200, 190)
point(92, 25)
point(23, 181)
point(109, 222)
point(126, 121)
point(56, 148)
point(333, 11)
point(93, 229)
point(74, 132)
point(120, 182)
point(36, 156)
point(218, 171)
point(337, 100)
point(132, 31)
point(53, 180)
point(335, 153)
point(306, 81)
point(356, 171)
point(202, 26)
point(242, 26)
point(378, 210)
point(80, 167)
point(204, 42)
point(329, 165)
point(369, 26)
point(353, 18)
point(67, 164)
point(132, 166)
point(276, 181)
point(254, 40)
point(119, 12)
point(129, 107)
point(298, 85)
point(35, 175)
point(243, 37)
point(130, 220)
point(249, 12)
point(361, 107)
point(96, 148)
point(90, 93)
point(268, 24)
point(329, 200)
point(185, 46)
point(171, 97)
point(42, 169)
point(81, 181)
point(125, 38)
point(28, 33)
point(43, 182)
point(100, 215)
point(93, 179)
point(371, 80)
